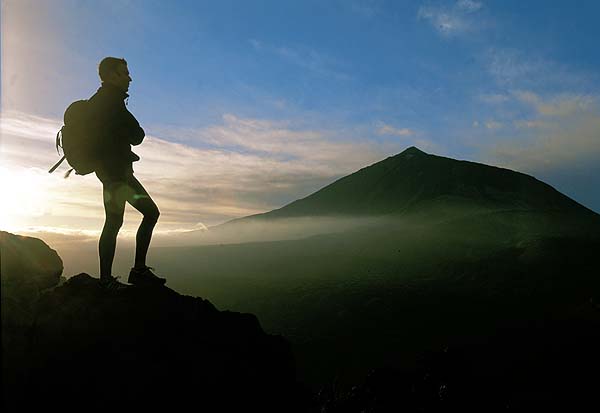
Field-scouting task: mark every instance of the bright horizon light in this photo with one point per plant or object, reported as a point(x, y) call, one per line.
point(24, 196)
point(257, 107)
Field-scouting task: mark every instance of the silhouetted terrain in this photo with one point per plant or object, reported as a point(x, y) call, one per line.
point(419, 283)
point(414, 188)
point(414, 180)
point(542, 366)
point(416, 252)
point(83, 347)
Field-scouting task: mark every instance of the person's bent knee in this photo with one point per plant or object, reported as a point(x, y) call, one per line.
point(152, 215)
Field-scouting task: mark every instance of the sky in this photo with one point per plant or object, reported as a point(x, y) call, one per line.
point(249, 105)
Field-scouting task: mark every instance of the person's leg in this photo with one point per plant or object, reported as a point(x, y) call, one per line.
point(114, 195)
point(141, 201)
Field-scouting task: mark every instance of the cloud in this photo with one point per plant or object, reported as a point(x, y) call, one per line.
point(492, 124)
point(29, 126)
point(306, 58)
point(256, 44)
point(561, 105)
point(444, 22)
point(251, 166)
point(529, 124)
point(282, 141)
point(488, 124)
point(469, 6)
point(517, 69)
point(494, 98)
point(508, 66)
point(451, 20)
point(390, 130)
point(577, 146)
point(563, 134)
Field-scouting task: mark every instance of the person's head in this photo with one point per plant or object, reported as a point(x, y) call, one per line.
point(114, 70)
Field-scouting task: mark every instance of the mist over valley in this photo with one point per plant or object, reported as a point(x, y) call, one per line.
point(412, 253)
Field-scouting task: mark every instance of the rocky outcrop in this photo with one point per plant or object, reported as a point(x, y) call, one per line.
point(139, 348)
point(28, 266)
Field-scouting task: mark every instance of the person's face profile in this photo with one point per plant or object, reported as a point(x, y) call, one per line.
point(121, 78)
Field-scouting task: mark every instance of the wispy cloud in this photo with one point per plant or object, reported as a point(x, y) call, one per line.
point(451, 20)
point(509, 66)
point(444, 22)
point(492, 124)
point(562, 134)
point(561, 105)
point(385, 129)
point(493, 98)
point(29, 126)
point(578, 146)
point(256, 44)
point(252, 166)
point(307, 58)
point(469, 6)
point(284, 141)
point(516, 69)
point(530, 124)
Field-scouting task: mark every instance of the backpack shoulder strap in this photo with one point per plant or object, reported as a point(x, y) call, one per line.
point(56, 165)
point(58, 141)
point(58, 144)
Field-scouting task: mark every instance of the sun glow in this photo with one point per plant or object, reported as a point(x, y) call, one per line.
point(23, 197)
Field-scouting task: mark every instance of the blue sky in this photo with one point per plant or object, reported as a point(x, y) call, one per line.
point(298, 93)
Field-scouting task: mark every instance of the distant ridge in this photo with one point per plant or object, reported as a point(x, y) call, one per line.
point(414, 180)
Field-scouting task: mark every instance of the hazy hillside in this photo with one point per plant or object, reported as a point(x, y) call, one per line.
point(456, 250)
point(392, 290)
point(414, 179)
point(412, 185)
point(411, 253)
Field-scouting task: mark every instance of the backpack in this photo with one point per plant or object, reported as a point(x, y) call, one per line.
point(77, 139)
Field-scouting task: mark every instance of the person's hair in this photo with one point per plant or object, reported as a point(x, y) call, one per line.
point(109, 65)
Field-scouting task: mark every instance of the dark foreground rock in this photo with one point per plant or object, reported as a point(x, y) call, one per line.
point(78, 346)
point(147, 348)
point(518, 331)
point(28, 267)
point(550, 366)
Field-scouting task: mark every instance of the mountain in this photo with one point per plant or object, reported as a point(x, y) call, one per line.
point(412, 187)
point(489, 270)
point(414, 252)
point(414, 180)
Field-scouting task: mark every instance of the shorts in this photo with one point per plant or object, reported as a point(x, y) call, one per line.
point(109, 177)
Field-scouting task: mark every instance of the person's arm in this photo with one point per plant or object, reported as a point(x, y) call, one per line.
point(135, 132)
point(129, 128)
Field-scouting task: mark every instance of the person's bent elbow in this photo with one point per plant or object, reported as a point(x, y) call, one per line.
point(138, 136)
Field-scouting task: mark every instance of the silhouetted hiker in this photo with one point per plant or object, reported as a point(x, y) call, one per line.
point(119, 130)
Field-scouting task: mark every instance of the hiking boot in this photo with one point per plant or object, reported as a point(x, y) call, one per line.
point(111, 283)
point(145, 276)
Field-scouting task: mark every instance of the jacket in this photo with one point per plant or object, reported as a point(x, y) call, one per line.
point(117, 129)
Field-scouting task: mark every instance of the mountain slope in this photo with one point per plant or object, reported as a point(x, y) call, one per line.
point(414, 180)
point(432, 250)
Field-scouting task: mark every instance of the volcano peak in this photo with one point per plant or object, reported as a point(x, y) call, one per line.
point(413, 150)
